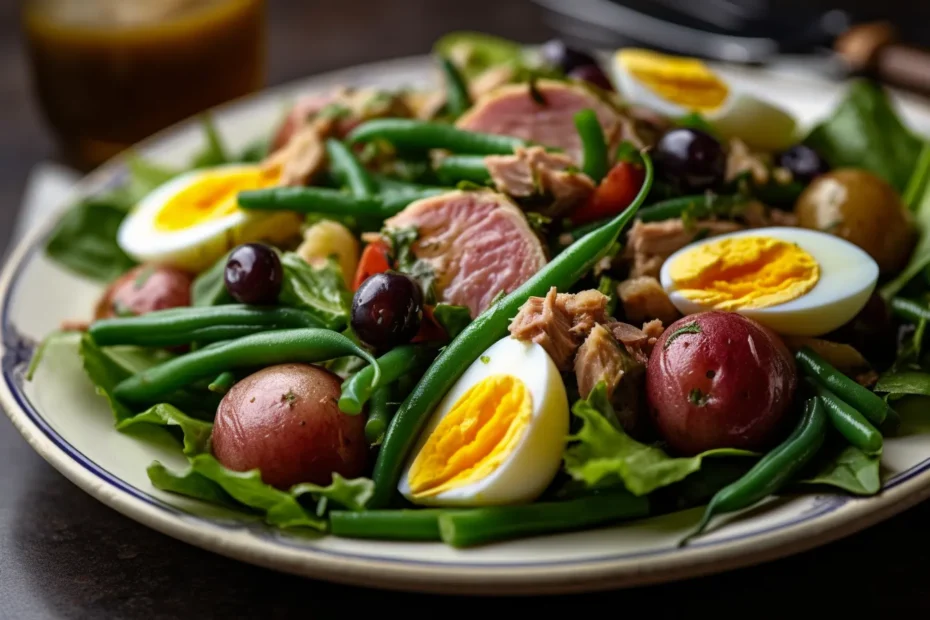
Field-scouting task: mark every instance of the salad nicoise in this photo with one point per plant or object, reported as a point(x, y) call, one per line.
point(556, 291)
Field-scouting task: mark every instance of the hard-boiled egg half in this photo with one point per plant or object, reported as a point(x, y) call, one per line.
point(498, 435)
point(677, 86)
point(795, 281)
point(192, 220)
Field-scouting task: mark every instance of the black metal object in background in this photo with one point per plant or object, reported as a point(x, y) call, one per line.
point(751, 31)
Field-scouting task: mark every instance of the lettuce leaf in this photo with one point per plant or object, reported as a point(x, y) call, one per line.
point(453, 319)
point(846, 467)
point(195, 433)
point(209, 288)
point(320, 291)
point(84, 241)
point(600, 450)
point(209, 481)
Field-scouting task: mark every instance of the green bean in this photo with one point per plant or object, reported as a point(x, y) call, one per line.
point(307, 345)
point(345, 166)
point(411, 134)
point(386, 524)
point(491, 325)
point(467, 528)
point(861, 398)
point(454, 168)
point(773, 470)
point(178, 326)
point(222, 383)
point(909, 309)
point(593, 144)
point(850, 423)
point(394, 364)
point(381, 409)
point(457, 98)
point(698, 206)
point(334, 202)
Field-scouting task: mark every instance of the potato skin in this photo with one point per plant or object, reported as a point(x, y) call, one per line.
point(862, 208)
point(728, 385)
point(285, 421)
point(144, 289)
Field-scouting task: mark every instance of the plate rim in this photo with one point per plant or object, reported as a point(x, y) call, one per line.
point(848, 514)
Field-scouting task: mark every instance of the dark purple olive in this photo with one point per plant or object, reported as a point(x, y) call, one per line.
point(387, 310)
point(593, 75)
point(253, 274)
point(872, 332)
point(564, 58)
point(690, 159)
point(803, 162)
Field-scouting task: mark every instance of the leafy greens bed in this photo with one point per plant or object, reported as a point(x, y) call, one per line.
point(544, 296)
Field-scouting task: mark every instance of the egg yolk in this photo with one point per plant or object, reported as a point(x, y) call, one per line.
point(477, 435)
point(211, 196)
point(685, 81)
point(744, 272)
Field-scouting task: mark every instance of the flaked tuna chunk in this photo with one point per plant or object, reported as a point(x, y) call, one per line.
point(643, 299)
point(602, 358)
point(302, 157)
point(534, 172)
point(560, 322)
point(346, 107)
point(638, 342)
point(479, 244)
point(650, 243)
point(542, 113)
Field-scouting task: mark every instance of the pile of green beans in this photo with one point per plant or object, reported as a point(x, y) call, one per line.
point(348, 170)
point(308, 345)
point(478, 526)
point(455, 168)
point(596, 158)
point(457, 98)
point(180, 326)
point(562, 272)
point(854, 411)
point(699, 206)
point(774, 470)
point(413, 135)
point(394, 364)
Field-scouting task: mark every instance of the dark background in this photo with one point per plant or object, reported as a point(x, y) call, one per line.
point(63, 554)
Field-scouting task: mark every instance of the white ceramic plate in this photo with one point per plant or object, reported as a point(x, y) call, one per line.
point(70, 426)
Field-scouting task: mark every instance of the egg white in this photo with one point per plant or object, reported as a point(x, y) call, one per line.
point(196, 247)
point(760, 124)
point(848, 276)
point(537, 457)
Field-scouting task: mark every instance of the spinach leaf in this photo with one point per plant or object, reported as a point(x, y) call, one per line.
point(845, 467)
point(903, 382)
point(453, 319)
point(105, 373)
point(84, 241)
point(918, 200)
point(600, 449)
point(213, 153)
point(319, 290)
point(280, 508)
point(865, 131)
point(209, 288)
point(914, 411)
point(195, 433)
point(190, 484)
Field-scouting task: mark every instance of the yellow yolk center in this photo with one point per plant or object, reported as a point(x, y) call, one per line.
point(744, 273)
point(211, 196)
point(685, 81)
point(477, 435)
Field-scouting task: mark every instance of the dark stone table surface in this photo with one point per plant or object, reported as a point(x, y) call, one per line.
point(64, 555)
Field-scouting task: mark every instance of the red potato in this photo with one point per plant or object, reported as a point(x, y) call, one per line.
point(719, 380)
point(284, 420)
point(145, 289)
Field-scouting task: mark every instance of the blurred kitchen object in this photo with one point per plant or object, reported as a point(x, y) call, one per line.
point(885, 40)
point(108, 73)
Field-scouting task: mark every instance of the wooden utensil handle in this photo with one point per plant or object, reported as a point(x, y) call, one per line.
point(873, 49)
